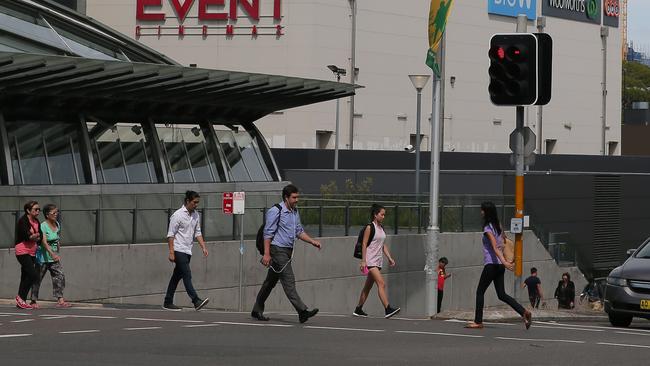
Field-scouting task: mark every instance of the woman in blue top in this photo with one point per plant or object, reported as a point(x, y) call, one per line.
point(494, 267)
point(47, 256)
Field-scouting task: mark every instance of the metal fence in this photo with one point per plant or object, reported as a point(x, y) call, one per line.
point(322, 217)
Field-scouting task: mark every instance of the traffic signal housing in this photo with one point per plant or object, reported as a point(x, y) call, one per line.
point(520, 68)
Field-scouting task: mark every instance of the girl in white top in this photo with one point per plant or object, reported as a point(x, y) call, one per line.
point(373, 251)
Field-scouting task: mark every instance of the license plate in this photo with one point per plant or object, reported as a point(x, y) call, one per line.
point(645, 304)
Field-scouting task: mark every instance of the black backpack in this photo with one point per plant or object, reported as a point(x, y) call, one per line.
point(359, 245)
point(259, 240)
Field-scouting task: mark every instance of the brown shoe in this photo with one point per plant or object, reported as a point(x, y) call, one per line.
point(528, 319)
point(472, 325)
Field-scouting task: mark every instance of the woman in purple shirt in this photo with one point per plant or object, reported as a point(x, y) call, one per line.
point(494, 268)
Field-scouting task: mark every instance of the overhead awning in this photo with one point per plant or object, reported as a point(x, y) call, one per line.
point(127, 91)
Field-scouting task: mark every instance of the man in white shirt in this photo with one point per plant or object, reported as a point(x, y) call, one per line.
point(184, 227)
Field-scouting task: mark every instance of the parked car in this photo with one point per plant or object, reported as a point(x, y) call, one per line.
point(627, 293)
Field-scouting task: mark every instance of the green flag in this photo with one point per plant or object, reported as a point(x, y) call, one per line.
point(438, 14)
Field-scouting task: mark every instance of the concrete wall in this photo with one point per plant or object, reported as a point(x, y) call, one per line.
point(329, 279)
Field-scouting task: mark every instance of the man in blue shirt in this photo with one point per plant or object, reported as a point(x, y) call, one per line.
point(282, 227)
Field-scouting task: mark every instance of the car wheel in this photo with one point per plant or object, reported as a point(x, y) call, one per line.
point(620, 320)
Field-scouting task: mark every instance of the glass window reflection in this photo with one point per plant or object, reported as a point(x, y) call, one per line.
point(187, 154)
point(122, 154)
point(243, 156)
point(45, 152)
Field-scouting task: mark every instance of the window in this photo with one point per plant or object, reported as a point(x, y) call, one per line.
point(612, 146)
point(85, 44)
point(242, 152)
point(45, 152)
point(122, 154)
point(30, 27)
point(412, 141)
point(550, 146)
point(323, 139)
point(187, 155)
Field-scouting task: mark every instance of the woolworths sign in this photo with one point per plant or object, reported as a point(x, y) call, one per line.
point(589, 11)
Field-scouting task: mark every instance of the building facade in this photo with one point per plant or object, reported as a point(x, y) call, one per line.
point(302, 38)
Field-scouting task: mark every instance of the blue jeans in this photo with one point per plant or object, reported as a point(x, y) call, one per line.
point(181, 271)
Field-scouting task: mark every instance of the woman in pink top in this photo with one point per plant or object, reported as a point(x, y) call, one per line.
point(372, 252)
point(28, 233)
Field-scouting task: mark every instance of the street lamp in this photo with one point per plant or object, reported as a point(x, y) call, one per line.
point(419, 81)
point(338, 72)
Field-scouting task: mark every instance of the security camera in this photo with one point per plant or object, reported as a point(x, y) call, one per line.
point(408, 147)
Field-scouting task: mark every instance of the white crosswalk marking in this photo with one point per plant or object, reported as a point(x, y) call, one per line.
point(80, 331)
point(143, 328)
point(440, 334)
point(540, 340)
point(351, 329)
point(13, 335)
point(623, 345)
point(167, 320)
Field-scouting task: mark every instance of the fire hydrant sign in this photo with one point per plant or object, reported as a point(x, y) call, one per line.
point(238, 202)
point(227, 203)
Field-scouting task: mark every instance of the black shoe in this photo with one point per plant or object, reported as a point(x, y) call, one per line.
point(359, 312)
point(199, 304)
point(171, 307)
point(304, 315)
point(260, 316)
point(390, 311)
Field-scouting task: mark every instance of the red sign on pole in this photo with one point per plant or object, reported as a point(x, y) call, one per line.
point(227, 203)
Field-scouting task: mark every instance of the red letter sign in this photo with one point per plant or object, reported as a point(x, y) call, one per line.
point(182, 10)
point(141, 15)
point(203, 10)
point(277, 15)
point(252, 9)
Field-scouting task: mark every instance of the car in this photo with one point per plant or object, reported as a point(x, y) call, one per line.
point(627, 293)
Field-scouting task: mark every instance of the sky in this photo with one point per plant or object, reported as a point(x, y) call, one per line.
point(638, 26)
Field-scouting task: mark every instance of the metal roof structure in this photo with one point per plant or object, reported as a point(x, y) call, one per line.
point(113, 90)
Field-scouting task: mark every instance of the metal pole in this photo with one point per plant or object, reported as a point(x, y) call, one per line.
point(541, 24)
point(433, 230)
point(336, 136)
point(522, 25)
point(519, 191)
point(604, 33)
point(417, 150)
point(353, 74)
point(241, 261)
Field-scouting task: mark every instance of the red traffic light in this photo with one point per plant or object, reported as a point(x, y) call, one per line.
point(501, 53)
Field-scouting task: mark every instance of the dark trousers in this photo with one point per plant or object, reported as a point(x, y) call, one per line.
point(534, 301)
point(494, 273)
point(279, 258)
point(181, 271)
point(28, 274)
point(440, 293)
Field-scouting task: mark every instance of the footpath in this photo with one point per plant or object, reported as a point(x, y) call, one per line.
point(582, 312)
point(493, 314)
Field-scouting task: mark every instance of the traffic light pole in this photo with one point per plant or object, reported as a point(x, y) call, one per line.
point(522, 25)
point(519, 195)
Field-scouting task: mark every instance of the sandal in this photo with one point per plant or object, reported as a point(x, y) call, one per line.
point(34, 306)
point(472, 325)
point(63, 304)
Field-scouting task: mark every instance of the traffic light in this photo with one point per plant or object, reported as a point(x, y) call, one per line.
point(520, 68)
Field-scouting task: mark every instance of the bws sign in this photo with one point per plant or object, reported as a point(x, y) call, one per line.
point(581, 10)
point(512, 8)
point(208, 17)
